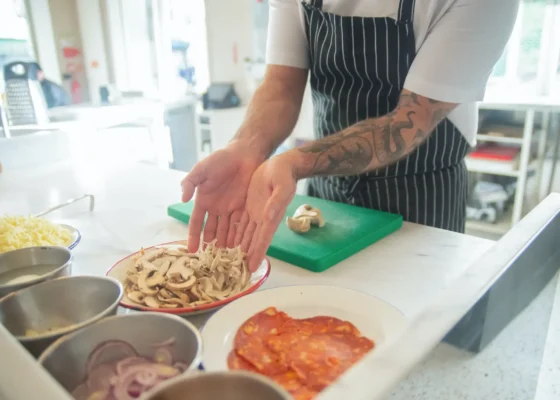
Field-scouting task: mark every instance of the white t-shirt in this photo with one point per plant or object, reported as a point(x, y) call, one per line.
point(457, 44)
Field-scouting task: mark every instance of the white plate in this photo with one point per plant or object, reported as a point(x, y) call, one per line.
point(375, 318)
point(118, 271)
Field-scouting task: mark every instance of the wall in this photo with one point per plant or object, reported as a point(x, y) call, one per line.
point(43, 38)
point(66, 32)
point(95, 54)
point(229, 27)
point(223, 35)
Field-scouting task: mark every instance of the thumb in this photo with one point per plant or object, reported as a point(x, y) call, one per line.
point(277, 203)
point(190, 183)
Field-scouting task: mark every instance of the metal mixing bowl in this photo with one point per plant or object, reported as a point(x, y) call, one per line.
point(32, 256)
point(66, 358)
point(62, 305)
point(232, 385)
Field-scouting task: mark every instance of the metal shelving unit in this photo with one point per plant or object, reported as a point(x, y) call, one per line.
point(518, 169)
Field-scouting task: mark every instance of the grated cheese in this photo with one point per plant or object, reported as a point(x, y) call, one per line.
point(19, 232)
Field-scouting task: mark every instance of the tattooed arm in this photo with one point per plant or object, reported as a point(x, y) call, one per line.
point(372, 143)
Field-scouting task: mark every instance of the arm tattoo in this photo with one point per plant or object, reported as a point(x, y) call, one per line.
point(376, 142)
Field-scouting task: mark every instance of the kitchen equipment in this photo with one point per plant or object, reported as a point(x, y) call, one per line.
point(31, 261)
point(67, 203)
point(24, 96)
point(118, 271)
point(74, 233)
point(40, 314)
point(220, 95)
point(348, 230)
point(236, 385)
point(66, 358)
point(214, 129)
point(375, 318)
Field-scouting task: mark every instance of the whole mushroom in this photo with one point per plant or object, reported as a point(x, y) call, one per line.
point(304, 217)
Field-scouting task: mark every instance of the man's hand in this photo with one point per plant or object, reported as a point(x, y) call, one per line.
point(221, 181)
point(368, 145)
point(272, 188)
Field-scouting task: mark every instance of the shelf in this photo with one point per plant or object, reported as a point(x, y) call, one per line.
point(499, 228)
point(491, 167)
point(499, 139)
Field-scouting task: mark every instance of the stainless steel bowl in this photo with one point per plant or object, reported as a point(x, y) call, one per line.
point(34, 256)
point(66, 358)
point(57, 307)
point(233, 385)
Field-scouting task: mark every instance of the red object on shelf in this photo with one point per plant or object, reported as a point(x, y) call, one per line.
point(498, 153)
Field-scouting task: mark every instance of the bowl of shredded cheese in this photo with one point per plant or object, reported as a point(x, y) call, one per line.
point(18, 232)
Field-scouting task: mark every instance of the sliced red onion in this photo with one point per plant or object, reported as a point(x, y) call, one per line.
point(100, 377)
point(125, 363)
point(168, 342)
point(99, 395)
point(181, 366)
point(109, 351)
point(130, 376)
point(135, 389)
point(81, 392)
point(163, 356)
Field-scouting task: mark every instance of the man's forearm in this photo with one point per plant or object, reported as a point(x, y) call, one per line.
point(372, 143)
point(273, 111)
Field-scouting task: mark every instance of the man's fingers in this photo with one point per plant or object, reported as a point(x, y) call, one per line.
point(210, 228)
point(273, 214)
point(241, 229)
point(234, 226)
point(190, 182)
point(222, 230)
point(248, 236)
point(195, 227)
point(254, 241)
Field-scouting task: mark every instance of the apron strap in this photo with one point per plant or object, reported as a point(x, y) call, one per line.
point(316, 3)
point(406, 10)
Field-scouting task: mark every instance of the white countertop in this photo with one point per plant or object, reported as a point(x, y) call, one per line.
point(409, 269)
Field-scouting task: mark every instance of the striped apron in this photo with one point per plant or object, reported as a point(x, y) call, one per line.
point(358, 67)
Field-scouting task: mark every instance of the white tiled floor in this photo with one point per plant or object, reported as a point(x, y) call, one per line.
point(482, 376)
point(515, 365)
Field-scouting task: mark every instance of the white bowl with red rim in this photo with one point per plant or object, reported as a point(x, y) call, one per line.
point(118, 271)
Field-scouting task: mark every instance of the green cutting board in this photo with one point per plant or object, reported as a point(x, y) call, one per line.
point(348, 230)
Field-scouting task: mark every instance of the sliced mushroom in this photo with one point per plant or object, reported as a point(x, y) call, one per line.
point(144, 264)
point(173, 251)
point(205, 285)
point(164, 267)
point(170, 277)
point(195, 293)
point(299, 225)
point(183, 296)
point(149, 256)
point(136, 297)
point(182, 285)
point(176, 302)
point(143, 284)
point(170, 305)
point(133, 278)
point(180, 268)
point(152, 302)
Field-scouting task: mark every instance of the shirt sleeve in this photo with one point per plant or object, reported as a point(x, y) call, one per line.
point(455, 60)
point(287, 42)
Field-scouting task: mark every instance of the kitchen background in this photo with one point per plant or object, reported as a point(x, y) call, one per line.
point(136, 72)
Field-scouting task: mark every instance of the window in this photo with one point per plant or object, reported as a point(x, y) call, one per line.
point(530, 61)
point(15, 42)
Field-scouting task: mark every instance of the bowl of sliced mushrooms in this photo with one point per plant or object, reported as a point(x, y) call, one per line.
point(168, 278)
